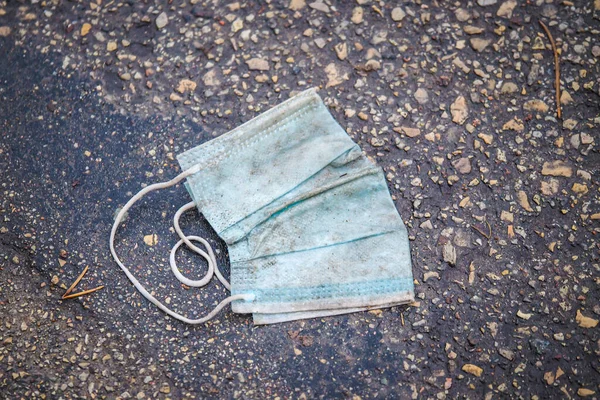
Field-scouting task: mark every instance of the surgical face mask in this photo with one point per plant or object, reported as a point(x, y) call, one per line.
point(308, 220)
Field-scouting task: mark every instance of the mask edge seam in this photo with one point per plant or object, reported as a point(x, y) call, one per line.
point(251, 141)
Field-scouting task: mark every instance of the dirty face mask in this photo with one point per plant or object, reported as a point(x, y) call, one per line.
point(308, 220)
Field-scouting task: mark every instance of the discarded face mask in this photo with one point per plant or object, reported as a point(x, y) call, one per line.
point(308, 220)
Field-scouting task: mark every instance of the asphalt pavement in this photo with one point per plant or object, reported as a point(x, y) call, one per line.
point(455, 100)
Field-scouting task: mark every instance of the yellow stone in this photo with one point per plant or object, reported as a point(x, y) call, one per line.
point(550, 188)
point(549, 377)
point(487, 138)
point(557, 168)
point(297, 5)
point(410, 132)
point(559, 373)
point(151, 240)
point(565, 98)
point(507, 216)
point(237, 25)
point(579, 188)
point(85, 28)
point(341, 49)
point(535, 105)
point(559, 142)
point(523, 315)
point(357, 15)
point(464, 202)
point(186, 85)
point(585, 322)
point(514, 125)
point(472, 369)
point(583, 392)
point(524, 201)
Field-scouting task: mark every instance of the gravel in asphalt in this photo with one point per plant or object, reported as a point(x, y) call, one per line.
point(455, 100)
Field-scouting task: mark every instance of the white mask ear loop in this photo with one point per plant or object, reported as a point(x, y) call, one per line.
point(210, 257)
point(137, 284)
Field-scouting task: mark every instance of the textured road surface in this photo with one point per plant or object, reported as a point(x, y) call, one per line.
point(455, 100)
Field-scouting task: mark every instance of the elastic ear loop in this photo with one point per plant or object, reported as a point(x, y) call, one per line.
point(209, 257)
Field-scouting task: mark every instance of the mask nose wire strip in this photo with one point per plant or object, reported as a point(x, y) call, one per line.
point(136, 283)
point(210, 257)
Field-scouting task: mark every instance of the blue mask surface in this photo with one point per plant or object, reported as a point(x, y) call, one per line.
point(308, 220)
